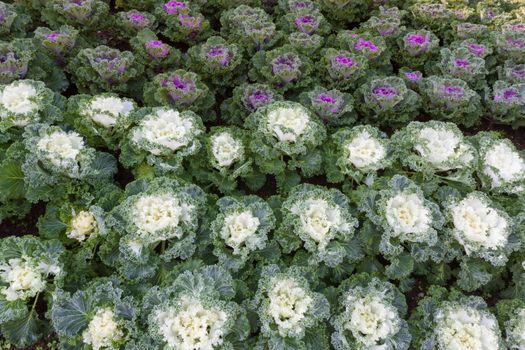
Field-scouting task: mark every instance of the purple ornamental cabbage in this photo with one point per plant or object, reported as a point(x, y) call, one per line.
point(8, 15)
point(247, 98)
point(364, 44)
point(133, 21)
point(507, 103)
point(157, 49)
point(59, 43)
point(416, 48)
point(387, 101)
point(103, 68)
point(305, 43)
point(451, 99)
point(467, 30)
point(511, 45)
point(154, 54)
point(175, 7)
point(87, 13)
point(332, 106)
point(215, 55)
point(387, 24)
point(181, 90)
point(307, 23)
point(249, 27)
point(217, 60)
point(511, 72)
point(413, 76)
point(181, 24)
point(417, 43)
point(298, 6)
point(464, 65)
point(476, 49)
point(343, 68)
point(255, 97)
point(283, 68)
point(479, 48)
point(432, 15)
point(14, 59)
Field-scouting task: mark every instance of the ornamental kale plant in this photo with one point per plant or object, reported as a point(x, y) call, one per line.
point(262, 175)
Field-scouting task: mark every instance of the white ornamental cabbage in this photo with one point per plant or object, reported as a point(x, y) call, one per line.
point(371, 320)
point(320, 220)
point(287, 123)
point(20, 98)
point(515, 330)
point(82, 225)
point(165, 131)
point(288, 305)
point(157, 210)
point(240, 228)
point(285, 129)
point(25, 278)
point(371, 316)
point(503, 164)
point(239, 231)
point(106, 110)
point(61, 149)
point(161, 212)
point(103, 330)
point(478, 226)
point(461, 327)
point(192, 326)
point(435, 146)
point(358, 152)
point(443, 148)
point(364, 150)
point(226, 149)
point(408, 219)
point(408, 216)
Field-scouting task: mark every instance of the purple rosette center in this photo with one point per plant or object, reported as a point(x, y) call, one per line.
point(417, 39)
point(108, 64)
point(519, 71)
point(363, 44)
point(516, 43)
point(180, 89)
point(157, 49)
point(327, 104)
point(507, 96)
point(344, 61)
point(306, 23)
point(219, 54)
point(385, 92)
point(462, 63)
point(53, 37)
point(172, 7)
point(136, 18)
point(453, 92)
point(190, 22)
point(476, 49)
point(12, 66)
point(286, 67)
point(414, 76)
point(257, 98)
